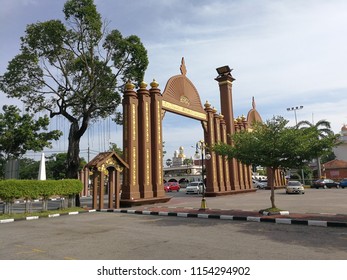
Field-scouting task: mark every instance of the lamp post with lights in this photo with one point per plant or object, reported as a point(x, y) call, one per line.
point(296, 123)
point(295, 109)
point(200, 152)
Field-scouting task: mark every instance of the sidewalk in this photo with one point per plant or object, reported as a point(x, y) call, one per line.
point(302, 209)
point(324, 208)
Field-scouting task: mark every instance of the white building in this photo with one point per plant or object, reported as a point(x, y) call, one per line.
point(182, 170)
point(341, 150)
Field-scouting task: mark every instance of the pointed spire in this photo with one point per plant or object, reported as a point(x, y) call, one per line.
point(183, 67)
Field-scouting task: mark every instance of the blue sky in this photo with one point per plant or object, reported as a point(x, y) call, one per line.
point(284, 53)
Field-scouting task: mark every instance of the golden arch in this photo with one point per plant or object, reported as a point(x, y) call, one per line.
point(181, 96)
point(143, 110)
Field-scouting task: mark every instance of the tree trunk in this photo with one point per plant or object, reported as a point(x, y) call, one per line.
point(73, 158)
point(319, 168)
point(271, 184)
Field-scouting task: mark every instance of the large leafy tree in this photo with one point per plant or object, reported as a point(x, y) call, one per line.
point(74, 69)
point(20, 133)
point(275, 145)
point(324, 130)
point(28, 168)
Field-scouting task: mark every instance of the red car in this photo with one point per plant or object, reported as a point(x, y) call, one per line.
point(172, 186)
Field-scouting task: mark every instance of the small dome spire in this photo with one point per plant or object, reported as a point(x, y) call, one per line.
point(129, 85)
point(154, 84)
point(143, 85)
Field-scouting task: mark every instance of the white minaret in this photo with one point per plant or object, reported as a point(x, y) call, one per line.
point(42, 169)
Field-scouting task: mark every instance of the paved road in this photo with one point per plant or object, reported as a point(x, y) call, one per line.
point(110, 236)
point(332, 201)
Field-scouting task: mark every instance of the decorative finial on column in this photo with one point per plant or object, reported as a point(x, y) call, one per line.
point(129, 85)
point(154, 84)
point(183, 67)
point(143, 85)
point(207, 104)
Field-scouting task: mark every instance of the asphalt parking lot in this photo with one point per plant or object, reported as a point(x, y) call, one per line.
point(326, 205)
point(330, 201)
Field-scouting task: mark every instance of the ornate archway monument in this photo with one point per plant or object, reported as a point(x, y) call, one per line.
point(143, 111)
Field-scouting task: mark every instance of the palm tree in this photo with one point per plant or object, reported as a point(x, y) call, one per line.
point(324, 129)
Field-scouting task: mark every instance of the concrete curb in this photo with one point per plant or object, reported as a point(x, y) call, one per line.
point(173, 213)
point(267, 219)
point(30, 218)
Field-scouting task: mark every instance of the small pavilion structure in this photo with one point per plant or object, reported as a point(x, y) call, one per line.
point(105, 169)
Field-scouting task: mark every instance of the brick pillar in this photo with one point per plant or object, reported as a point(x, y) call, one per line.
point(219, 158)
point(111, 187)
point(101, 191)
point(211, 164)
point(239, 171)
point(96, 176)
point(144, 124)
point(157, 140)
point(225, 88)
point(130, 143)
point(225, 158)
point(247, 169)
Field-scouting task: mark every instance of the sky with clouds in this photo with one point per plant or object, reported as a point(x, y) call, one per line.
point(284, 53)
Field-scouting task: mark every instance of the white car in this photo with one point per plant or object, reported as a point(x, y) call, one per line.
point(259, 184)
point(295, 187)
point(195, 188)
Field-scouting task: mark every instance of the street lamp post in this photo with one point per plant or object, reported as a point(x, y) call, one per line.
point(204, 155)
point(296, 123)
point(295, 109)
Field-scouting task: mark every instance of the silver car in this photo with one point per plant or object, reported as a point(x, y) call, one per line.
point(195, 188)
point(260, 184)
point(295, 187)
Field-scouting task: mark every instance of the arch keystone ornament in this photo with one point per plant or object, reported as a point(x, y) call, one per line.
point(143, 111)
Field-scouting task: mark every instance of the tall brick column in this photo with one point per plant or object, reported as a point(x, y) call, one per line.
point(219, 158)
point(225, 87)
point(247, 168)
point(157, 140)
point(145, 160)
point(240, 171)
point(225, 160)
point(211, 164)
point(130, 190)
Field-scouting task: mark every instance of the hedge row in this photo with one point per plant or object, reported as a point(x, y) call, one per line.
point(34, 189)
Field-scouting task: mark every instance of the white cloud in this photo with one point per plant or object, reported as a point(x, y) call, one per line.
point(285, 53)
